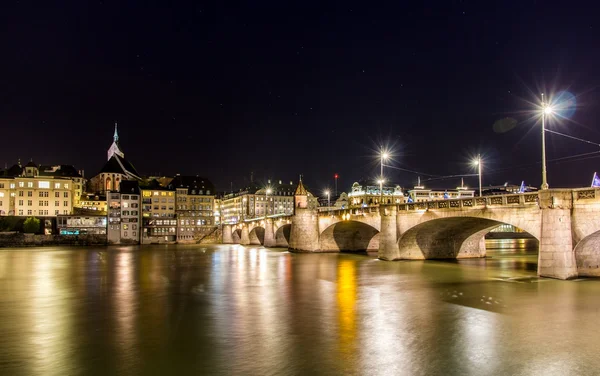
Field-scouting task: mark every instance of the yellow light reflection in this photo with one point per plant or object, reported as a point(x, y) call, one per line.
point(346, 299)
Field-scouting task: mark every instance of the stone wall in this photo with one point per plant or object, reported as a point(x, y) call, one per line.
point(16, 239)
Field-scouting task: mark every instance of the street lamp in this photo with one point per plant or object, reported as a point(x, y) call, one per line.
point(267, 192)
point(380, 181)
point(384, 157)
point(546, 110)
point(477, 162)
point(328, 202)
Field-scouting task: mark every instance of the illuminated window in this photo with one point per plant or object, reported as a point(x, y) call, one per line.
point(56, 185)
point(155, 193)
point(21, 184)
point(66, 186)
point(125, 204)
point(44, 184)
point(163, 193)
point(1, 194)
point(30, 184)
point(12, 185)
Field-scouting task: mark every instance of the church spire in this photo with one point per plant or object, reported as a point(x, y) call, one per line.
point(116, 135)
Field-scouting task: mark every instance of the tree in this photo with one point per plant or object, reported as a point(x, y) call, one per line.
point(31, 225)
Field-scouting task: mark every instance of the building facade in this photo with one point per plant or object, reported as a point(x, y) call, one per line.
point(124, 213)
point(255, 202)
point(24, 191)
point(194, 207)
point(363, 194)
point(159, 224)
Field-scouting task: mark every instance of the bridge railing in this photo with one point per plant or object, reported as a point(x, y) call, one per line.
point(351, 211)
point(474, 202)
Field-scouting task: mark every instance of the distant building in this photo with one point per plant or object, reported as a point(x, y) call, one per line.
point(364, 194)
point(506, 188)
point(116, 170)
point(334, 202)
point(257, 201)
point(420, 193)
point(195, 200)
point(124, 214)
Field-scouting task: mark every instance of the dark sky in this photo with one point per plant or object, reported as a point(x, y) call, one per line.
point(282, 89)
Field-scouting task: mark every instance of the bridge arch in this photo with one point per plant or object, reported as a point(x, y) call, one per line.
point(282, 235)
point(450, 237)
point(257, 235)
point(349, 236)
point(587, 256)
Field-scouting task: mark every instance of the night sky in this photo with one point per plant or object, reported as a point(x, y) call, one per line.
point(284, 89)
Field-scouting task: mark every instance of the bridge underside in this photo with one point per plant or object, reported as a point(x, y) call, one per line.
point(282, 236)
point(587, 256)
point(257, 236)
point(349, 236)
point(446, 238)
point(236, 236)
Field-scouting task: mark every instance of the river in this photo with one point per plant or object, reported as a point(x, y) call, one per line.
point(234, 310)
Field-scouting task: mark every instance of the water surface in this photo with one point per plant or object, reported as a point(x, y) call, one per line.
point(233, 310)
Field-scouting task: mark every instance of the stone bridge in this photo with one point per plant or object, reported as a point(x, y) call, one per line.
point(566, 222)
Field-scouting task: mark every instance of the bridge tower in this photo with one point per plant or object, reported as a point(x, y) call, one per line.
point(304, 234)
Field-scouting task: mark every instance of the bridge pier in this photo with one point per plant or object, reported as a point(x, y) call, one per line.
point(388, 237)
point(227, 234)
point(245, 238)
point(556, 257)
point(269, 240)
point(304, 235)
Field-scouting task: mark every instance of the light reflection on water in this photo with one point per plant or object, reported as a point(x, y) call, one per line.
point(248, 310)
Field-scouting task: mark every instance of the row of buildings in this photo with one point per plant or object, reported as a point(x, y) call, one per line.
point(128, 208)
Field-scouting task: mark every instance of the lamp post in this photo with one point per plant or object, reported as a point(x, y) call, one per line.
point(328, 202)
point(380, 181)
point(546, 110)
point(384, 157)
point(267, 192)
point(477, 162)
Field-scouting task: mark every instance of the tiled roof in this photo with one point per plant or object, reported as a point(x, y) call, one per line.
point(196, 183)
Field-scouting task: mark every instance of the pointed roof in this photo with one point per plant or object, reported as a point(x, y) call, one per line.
point(119, 165)
point(300, 190)
point(115, 148)
point(30, 164)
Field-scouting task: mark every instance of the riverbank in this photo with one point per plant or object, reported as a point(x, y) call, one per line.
point(17, 239)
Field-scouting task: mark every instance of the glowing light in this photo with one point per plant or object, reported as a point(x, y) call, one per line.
point(385, 155)
point(548, 110)
point(380, 181)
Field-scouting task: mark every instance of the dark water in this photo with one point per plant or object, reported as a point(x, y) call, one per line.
point(230, 310)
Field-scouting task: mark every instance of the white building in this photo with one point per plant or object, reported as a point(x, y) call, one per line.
point(23, 192)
